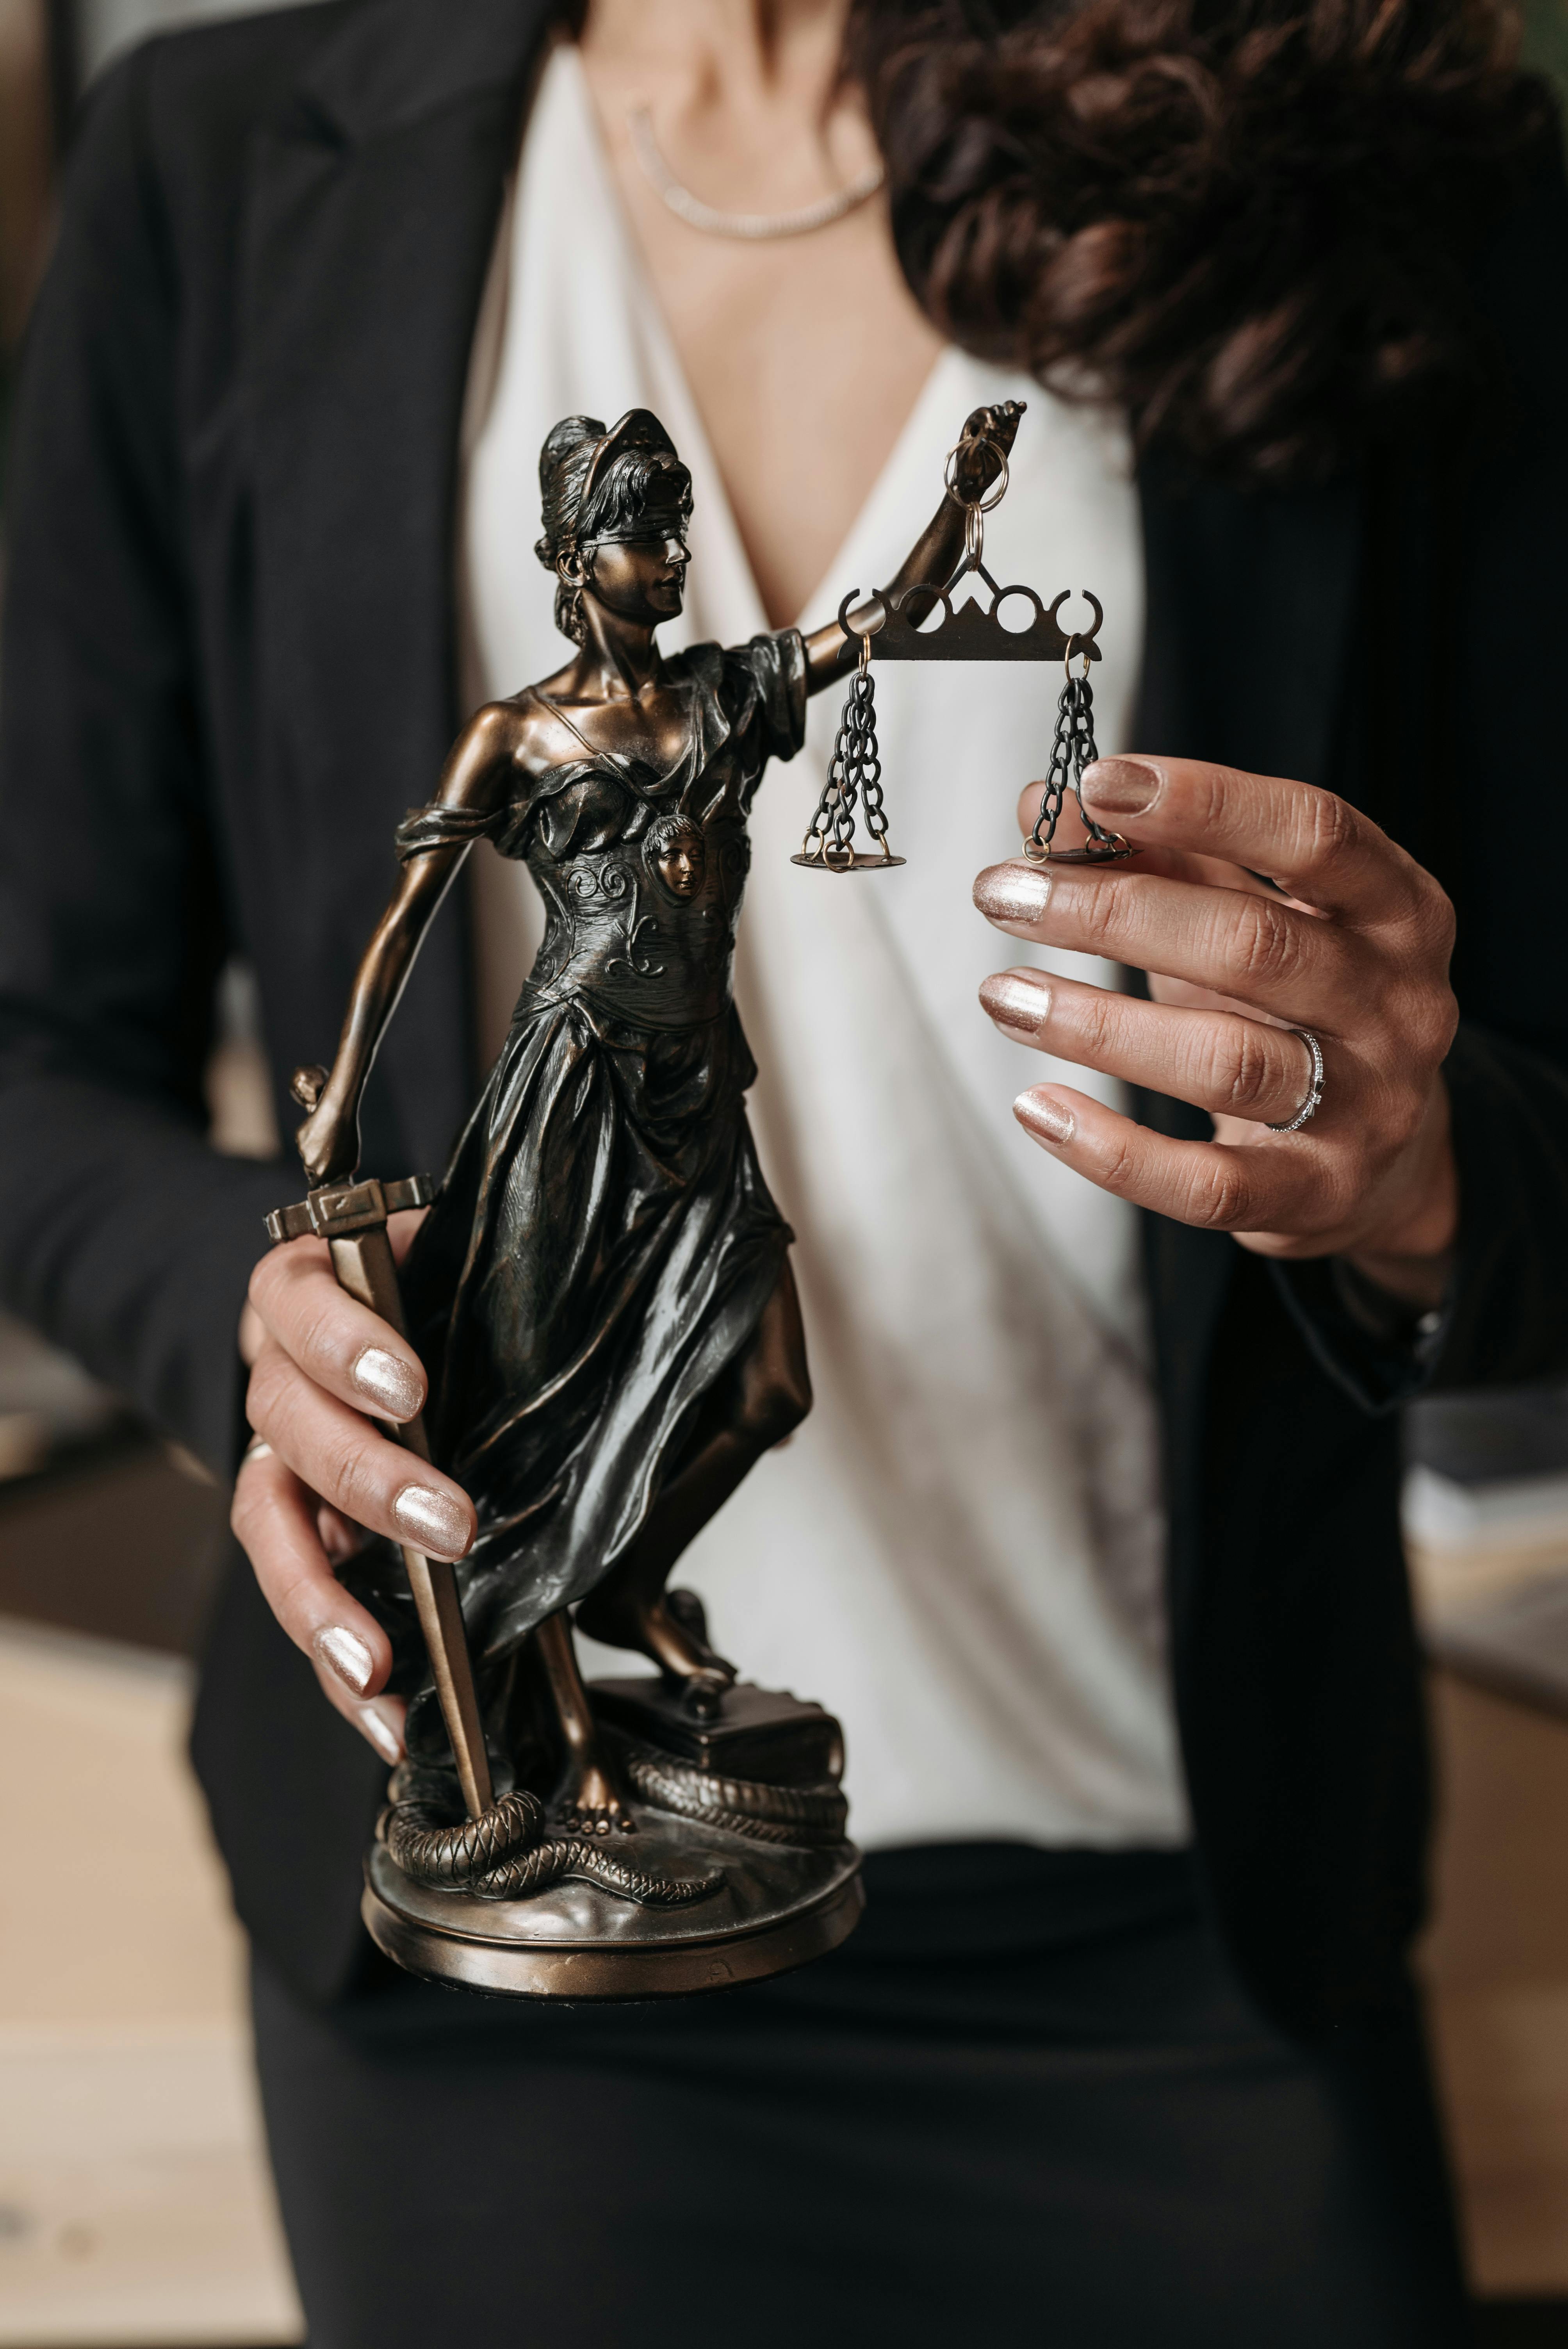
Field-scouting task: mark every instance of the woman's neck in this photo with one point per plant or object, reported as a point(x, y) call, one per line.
point(804, 354)
point(723, 61)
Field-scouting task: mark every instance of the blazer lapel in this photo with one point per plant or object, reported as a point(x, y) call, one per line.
point(1252, 607)
point(372, 203)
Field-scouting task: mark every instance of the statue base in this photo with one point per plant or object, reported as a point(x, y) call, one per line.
point(775, 1904)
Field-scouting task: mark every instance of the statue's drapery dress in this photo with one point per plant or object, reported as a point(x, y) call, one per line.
point(604, 1242)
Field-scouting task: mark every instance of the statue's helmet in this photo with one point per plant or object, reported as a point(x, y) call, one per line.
point(597, 485)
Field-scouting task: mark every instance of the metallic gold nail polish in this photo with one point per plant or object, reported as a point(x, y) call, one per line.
point(433, 1521)
point(1047, 1119)
point(1013, 895)
point(1122, 786)
point(388, 1382)
point(346, 1654)
point(1019, 1004)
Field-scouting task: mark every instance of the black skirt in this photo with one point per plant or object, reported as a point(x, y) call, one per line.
point(1027, 2101)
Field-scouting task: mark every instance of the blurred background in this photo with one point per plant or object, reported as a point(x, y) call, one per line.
point(134, 2200)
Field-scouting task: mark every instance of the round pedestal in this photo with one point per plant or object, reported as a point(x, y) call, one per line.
point(776, 1907)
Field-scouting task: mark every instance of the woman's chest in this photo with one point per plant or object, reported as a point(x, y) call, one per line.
point(804, 354)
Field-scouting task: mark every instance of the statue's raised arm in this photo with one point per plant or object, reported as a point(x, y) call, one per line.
point(978, 461)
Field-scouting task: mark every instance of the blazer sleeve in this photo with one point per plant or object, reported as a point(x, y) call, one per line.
point(123, 1236)
point(1505, 1319)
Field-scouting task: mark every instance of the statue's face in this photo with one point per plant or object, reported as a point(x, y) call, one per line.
point(639, 579)
point(680, 867)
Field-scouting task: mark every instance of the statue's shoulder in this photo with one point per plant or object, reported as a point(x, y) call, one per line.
point(539, 734)
point(759, 687)
point(508, 721)
point(732, 671)
point(703, 663)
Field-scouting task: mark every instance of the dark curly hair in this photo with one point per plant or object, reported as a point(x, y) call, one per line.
point(1251, 223)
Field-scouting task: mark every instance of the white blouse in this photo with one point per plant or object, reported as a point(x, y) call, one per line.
point(960, 1552)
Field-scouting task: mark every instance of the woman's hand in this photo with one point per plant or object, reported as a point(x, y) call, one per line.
point(321, 1470)
point(1352, 941)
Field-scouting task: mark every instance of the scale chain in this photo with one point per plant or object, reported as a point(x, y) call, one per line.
point(1072, 750)
point(854, 779)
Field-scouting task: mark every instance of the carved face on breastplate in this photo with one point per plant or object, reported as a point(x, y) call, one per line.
point(677, 852)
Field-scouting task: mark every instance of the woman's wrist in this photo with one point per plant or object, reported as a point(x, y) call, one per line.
point(1409, 1255)
point(1413, 1285)
point(1400, 1275)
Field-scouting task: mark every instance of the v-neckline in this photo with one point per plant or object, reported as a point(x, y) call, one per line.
point(693, 431)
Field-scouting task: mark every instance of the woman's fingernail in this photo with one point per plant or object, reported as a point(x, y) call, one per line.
point(433, 1521)
point(1047, 1119)
point(1122, 786)
point(1012, 894)
point(348, 1656)
point(389, 1382)
point(1020, 1005)
point(381, 1732)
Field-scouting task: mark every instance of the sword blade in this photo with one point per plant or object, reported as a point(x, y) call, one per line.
point(365, 1267)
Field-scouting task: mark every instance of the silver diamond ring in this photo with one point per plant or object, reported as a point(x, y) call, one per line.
point(1314, 1091)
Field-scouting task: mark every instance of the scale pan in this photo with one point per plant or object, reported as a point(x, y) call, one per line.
point(856, 862)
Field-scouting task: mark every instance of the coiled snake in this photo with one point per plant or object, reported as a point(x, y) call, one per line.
point(505, 1854)
point(746, 1806)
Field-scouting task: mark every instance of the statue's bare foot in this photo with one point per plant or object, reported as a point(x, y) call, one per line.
point(670, 1634)
point(704, 1693)
point(704, 1690)
point(588, 1803)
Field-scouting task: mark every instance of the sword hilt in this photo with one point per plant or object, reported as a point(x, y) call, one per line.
point(335, 1209)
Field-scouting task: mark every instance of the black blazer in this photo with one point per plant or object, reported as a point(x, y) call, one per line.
point(229, 669)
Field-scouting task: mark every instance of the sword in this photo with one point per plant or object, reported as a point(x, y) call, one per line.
point(351, 1217)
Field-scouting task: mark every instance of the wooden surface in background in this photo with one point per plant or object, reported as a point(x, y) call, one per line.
point(25, 162)
point(1495, 1963)
point(135, 2202)
point(125, 1548)
point(120, 1546)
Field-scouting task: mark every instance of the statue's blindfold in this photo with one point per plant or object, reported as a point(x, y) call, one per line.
point(663, 511)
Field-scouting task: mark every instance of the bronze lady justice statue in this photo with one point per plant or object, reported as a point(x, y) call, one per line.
point(602, 1293)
